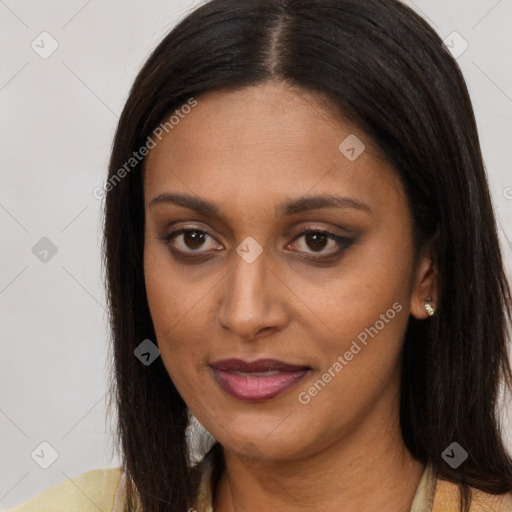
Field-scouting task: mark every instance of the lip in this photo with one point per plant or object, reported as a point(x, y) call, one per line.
point(244, 379)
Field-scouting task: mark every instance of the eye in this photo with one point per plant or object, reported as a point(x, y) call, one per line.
point(192, 242)
point(316, 240)
point(187, 240)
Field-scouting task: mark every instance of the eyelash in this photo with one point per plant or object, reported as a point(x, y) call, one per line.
point(343, 242)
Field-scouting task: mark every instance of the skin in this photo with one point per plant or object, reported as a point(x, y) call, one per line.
point(248, 151)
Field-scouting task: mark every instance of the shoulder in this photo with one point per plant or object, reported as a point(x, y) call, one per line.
point(91, 491)
point(447, 495)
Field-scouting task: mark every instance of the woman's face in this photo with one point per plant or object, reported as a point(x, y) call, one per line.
point(245, 173)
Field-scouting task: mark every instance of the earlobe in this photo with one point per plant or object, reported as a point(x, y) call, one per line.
point(430, 308)
point(423, 300)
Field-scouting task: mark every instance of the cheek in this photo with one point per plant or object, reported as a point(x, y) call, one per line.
point(177, 308)
point(162, 295)
point(166, 298)
point(364, 310)
point(368, 282)
point(364, 317)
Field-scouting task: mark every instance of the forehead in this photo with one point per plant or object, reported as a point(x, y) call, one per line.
point(262, 143)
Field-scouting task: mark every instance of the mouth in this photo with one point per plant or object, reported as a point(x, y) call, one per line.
point(259, 380)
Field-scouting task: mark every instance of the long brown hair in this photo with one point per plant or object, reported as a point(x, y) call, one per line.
point(385, 70)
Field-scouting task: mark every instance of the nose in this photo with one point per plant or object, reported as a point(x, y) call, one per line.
point(253, 299)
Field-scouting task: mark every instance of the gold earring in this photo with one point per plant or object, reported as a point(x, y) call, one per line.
point(428, 306)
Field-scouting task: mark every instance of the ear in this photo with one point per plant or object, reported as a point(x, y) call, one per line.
point(425, 285)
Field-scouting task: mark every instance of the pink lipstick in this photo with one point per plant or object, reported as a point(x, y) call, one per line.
point(259, 380)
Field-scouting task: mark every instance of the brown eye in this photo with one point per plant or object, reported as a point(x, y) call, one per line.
point(317, 244)
point(189, 241)
point(315, 241)
point(193, 239)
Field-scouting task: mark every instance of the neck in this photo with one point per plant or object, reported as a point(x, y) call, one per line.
point(370, 469)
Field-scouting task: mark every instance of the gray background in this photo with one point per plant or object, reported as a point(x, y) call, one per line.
point(58, 115)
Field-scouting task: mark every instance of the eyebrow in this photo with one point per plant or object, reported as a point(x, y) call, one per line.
point(290, 207)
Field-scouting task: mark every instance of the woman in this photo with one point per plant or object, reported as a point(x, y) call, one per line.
point(302, 255)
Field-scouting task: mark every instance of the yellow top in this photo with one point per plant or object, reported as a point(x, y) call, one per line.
point(103, 489)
